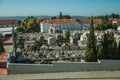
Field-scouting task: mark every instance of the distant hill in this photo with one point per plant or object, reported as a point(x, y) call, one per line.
point(79, 17)
point(24, 17)
point(20, 17)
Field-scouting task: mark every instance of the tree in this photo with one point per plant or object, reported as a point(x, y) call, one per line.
point(113, 50)
point(59, 38)
point(91, 52)
point(38, 43)
point(67, 16)
point(1, 47)
point(33, 47)
point(100, 50)
point(21, 43)
point(118, 51)
point(66, 36)
point(31, 24)
point(60, 15)
point(107, 49)
point(19, 29)
point(54, 17)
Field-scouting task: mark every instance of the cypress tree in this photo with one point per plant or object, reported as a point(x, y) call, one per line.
point(91, 52)
point(60, 15)
point(1, 47)
point(118, 50)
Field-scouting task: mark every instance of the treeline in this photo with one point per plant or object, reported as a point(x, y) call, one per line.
point(106, 25)
point(106, 22)
point(113, 15)
point(61, 16)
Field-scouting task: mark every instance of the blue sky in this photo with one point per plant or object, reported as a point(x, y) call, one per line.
point(53, 7)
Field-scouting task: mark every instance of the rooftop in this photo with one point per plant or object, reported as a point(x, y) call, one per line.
point(8, 22)
point(57, 21)
point(89, 20)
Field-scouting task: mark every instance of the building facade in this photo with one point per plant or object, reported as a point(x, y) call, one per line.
point(67, 24)
point(6, 26)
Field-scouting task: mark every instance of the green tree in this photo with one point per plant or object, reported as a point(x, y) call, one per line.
point(38, 43)
point(100, 50)
point(20, 43)
point(66, 36)
point(54, 17)
point(107, 49)
point(31, 24)
point(1, 47)
point(60, 15)
point(67, 16)
point(91, 52)
point(113, 50)
point(118, 51)
point(33, 47)
point(59, 38)
point(19, 29)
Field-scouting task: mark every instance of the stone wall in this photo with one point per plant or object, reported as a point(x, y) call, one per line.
point(64, 67)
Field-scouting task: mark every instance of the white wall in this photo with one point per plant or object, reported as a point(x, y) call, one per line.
point(45, 27)
point(64, 66)
point(65, 26)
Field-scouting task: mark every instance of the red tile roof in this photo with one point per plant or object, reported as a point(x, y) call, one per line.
point(57, 21)
point(89, 20)
point(8, 22)
point(114, 19)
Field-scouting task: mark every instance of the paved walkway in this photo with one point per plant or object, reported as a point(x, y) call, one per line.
point(3, 62)
point(83, 75)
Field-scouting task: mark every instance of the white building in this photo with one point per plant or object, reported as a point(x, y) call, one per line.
point(67, 24)
point(6, 26)
point(60, 24)
point(9, 23)
point(85, 22)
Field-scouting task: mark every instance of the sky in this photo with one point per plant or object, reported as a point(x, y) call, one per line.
point(53, 7)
